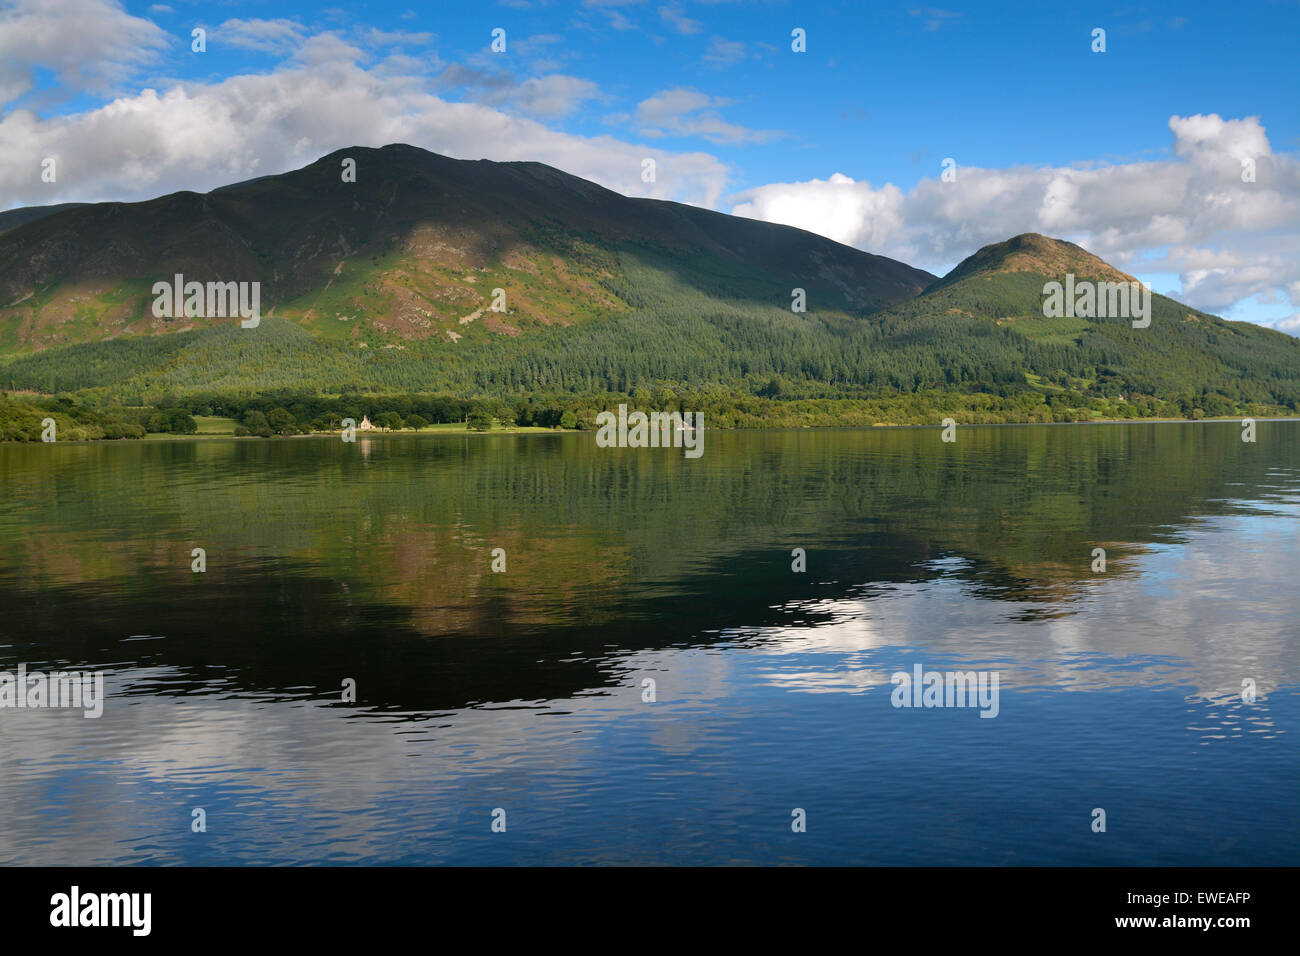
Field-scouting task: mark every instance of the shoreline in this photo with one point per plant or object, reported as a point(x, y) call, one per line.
point(536, 431)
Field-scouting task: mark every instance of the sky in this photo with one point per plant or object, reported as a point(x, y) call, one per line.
point(1174, 153)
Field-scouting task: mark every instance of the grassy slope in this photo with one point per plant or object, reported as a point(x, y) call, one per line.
point(1183, 347)
point(986, 329)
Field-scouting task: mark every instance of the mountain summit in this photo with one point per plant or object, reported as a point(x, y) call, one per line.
point(1036, 254)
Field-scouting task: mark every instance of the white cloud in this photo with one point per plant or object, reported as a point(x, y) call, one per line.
point(552, 96)
point(386, 38)
point(324, 48)
point(687, 112)
point(619, 22)
point(263, 36)
point(404, 65)
point(90, 45)
point(674, 15)
point(850, 212)
point(1289, 325)
point(543, 97)
point(1200, 135)
point(724, 52)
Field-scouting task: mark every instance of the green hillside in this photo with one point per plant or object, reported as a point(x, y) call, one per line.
point(997, 294)
point(384, 287)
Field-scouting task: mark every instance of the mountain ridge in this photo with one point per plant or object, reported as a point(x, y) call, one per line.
point(298, 232)
point(390, 282)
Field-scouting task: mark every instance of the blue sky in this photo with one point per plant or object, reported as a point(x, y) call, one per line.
point(1136, 152)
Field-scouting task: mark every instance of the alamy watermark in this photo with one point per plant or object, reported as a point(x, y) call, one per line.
point(1098, 300)
point(61, 689)
point(922, 688)
point(75, 909)
point(655, 430)
point(215, 300)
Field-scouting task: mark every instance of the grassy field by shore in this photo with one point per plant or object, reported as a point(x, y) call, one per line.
point(213, 426)
point(225, 428)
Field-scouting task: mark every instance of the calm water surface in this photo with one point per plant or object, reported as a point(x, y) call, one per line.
point(524, 690)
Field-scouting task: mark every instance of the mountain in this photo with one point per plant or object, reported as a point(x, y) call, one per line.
point(409, 251)
point(998, 295)
point(387, 284)
point(13, 218)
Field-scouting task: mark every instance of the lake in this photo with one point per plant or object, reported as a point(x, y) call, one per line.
point(649, 681)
